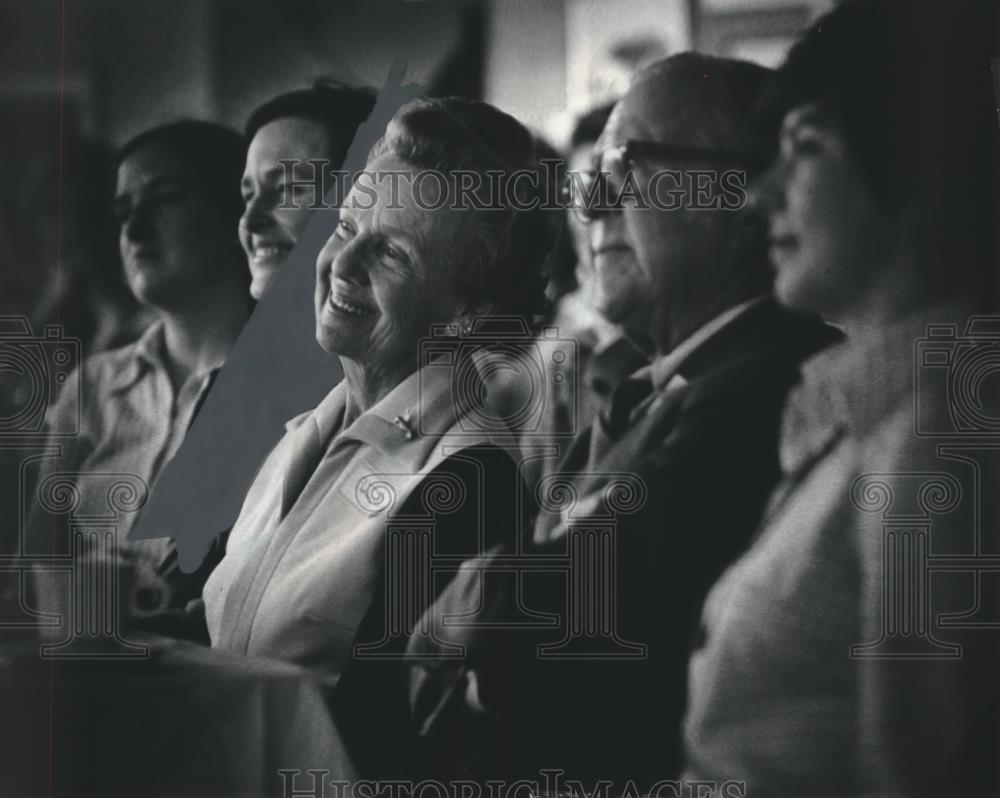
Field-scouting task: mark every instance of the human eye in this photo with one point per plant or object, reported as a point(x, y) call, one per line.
point(345, 230)
point(283, 189)
point(122, 209)
point(800, 138)
point(804, 143)
point(393, 253)
point(169, 193)
point(247, 188)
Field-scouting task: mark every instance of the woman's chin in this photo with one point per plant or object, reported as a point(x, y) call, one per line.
point(331, 341)
point(796, 290)
point(260, 278)
point(341, 333)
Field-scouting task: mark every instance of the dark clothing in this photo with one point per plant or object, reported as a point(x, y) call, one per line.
point(370, 701)
point(682, 486)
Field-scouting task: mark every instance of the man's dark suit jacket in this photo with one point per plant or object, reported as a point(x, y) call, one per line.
point(708, 456)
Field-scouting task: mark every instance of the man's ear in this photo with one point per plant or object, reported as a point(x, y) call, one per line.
point(470, 313)
point(811, 125)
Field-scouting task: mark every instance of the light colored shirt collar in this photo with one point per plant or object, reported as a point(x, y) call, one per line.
point(422, 406)
point(149, 352)
point(399, 407)
point(663, 369)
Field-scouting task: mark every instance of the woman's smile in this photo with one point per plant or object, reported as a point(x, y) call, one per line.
point(339, 304)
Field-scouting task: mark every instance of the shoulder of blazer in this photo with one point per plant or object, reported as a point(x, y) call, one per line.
point(766, 333)
point(758, 356)
point(743, 373)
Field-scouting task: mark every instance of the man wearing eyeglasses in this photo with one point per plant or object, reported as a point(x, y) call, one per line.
point(678, 467)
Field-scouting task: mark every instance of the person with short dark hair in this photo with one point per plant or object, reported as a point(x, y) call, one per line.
point(313, 128)
point(854, 649)
point(176, 203)
point(89, 288)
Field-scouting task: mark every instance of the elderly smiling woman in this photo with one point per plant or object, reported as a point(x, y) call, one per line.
point(327, 565)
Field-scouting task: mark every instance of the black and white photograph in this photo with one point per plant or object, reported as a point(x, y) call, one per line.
point(500, 399)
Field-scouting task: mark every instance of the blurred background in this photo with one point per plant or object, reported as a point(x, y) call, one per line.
point(80, 78)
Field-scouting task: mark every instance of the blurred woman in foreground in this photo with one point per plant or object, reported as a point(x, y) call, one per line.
point(834, 664)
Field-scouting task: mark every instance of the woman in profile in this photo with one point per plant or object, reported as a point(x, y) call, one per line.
point(834, 662)
point(176, 205)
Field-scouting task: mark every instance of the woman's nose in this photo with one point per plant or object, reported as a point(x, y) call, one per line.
point(138, 225)
point(350, 264)
point(256, 214)
point(767, 192)
point(345, 260)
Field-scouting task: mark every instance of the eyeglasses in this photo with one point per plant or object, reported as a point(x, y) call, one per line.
point(601, 188)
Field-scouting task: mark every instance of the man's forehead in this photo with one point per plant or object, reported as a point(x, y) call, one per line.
point(668, 108)
point(630, 119)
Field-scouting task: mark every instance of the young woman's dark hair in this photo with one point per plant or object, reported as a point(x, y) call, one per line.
point(215, 154)
point(337, 106)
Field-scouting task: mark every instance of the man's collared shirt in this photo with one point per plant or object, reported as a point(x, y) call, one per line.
point(663, 373)
point(665, 367)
